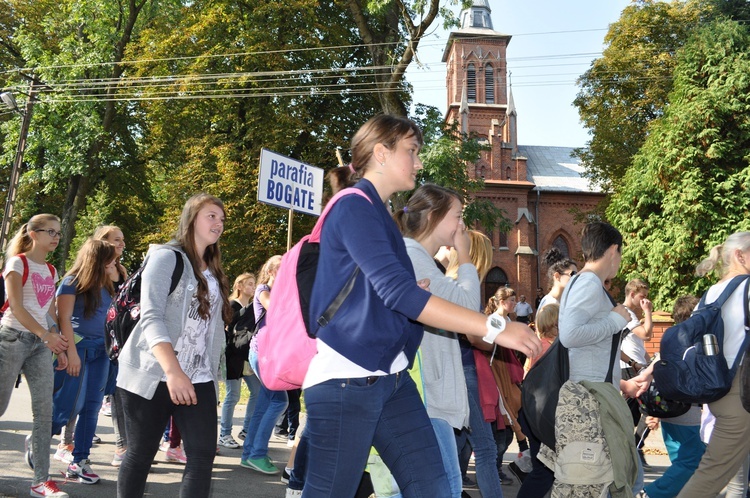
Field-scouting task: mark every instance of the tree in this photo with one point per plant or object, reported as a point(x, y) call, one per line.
point(627, 88)
point(687, 189)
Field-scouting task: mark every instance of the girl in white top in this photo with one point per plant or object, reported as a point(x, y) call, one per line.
point(560, 269)
point(28, 337)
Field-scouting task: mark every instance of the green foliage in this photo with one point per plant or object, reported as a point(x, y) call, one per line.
point(627, 88)
point(688, 187)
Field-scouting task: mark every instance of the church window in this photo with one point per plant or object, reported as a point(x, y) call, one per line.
point(471, 79)
point(495, 279)
point(562, 246)
point(489, 85)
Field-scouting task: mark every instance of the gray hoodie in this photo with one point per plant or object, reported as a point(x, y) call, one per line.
point(162, 320)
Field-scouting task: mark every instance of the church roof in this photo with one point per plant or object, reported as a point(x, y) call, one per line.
point(555, 169)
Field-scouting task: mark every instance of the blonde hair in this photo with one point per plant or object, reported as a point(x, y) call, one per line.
point(546, 320)
point(22, 241)
point(185, 237)
point(720, 257)
point(239, 282)
point(102, 233)
point(269, 267)
point(502, 294)
point(480, 254)
point(90, 275)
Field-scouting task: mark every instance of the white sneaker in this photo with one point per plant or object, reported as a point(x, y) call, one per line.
point(228, 442)
point(48, 488)
point(293, 493)
point(82, 471)
point(64, 453)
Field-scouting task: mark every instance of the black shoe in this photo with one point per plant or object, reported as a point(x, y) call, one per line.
point(467, 483)
point(644, 463)
point(505, 480)
point(285, 476)
point(516, 471)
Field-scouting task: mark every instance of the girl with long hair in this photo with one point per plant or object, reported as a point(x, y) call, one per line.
point(238, 370)
point(28, 337)
point(270, 404)
point(357, 391)
point(83, 297)
point(169, 367)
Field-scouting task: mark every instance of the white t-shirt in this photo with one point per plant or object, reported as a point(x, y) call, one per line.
point(194, 343)
point(733, 314)
point(632, 345)
point(548, 299)
point(38, 292)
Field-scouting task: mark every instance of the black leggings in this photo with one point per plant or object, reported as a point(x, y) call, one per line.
point(146, 419)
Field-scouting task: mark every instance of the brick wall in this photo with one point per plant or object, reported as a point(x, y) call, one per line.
point(662, 321)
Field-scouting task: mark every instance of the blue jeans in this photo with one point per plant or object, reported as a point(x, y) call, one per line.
point(446, 439)
point(481, 439)
point(23, 352)
point(81, 396)
point(234, 387)
point(268, 407)
point(345, 417)
point(685, 450)
point(297, 475)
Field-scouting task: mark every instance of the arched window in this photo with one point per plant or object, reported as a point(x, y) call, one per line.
point(489, 85)
point(495, 279)
point(562, 246)
point(471, 82)
point(503, 239)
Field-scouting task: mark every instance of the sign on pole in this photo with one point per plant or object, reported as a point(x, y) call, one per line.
point(289, 183)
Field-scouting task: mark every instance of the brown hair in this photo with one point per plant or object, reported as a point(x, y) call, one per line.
point(425, 209)
point(557, 262)
point(385, 129)
point(90, 275)
point(683, 308)
point(501, 294)
point(185, 237)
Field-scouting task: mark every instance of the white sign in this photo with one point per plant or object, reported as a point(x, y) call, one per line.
point(289, 183)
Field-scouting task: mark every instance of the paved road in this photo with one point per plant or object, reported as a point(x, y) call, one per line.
point(229, 479)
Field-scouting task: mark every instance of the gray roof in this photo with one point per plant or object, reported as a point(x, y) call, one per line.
point(555, 169)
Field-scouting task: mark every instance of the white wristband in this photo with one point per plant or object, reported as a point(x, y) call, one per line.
point(495, 325)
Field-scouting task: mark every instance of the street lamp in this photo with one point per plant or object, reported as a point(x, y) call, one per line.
point(15, 174)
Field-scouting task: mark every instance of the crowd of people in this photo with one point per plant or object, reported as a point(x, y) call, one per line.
point(412, 375)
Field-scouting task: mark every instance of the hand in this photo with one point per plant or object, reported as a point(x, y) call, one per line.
point(622, 311)
point(640, 382)
point(652, 423)
point(521, 338)
point(181, 390)
point(62, 361)
point(424, 284)
point(461, 240)
point(74, 363)
point(646, 305)
point(57, 343)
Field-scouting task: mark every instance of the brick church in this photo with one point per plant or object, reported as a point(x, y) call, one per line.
point(537, 186)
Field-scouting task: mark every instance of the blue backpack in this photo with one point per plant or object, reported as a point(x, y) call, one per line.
point(685, 372)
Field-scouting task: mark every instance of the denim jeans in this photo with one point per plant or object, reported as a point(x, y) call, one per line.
point(268, 407)
point(481, 439)
point(146, 421)
point(297, 475)
point(685, 448)
point(446, 439)
point(345, 417)
point(23, 352)
point(234, 387)
point(81, 396)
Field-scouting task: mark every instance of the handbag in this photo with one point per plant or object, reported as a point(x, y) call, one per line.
point(243, 335)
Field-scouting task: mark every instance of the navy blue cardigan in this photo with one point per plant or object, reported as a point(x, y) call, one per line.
point(376, 322)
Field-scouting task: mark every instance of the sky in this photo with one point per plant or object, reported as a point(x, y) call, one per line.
point(552, 43)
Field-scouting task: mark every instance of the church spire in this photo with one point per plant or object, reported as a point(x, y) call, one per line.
point(477, 16)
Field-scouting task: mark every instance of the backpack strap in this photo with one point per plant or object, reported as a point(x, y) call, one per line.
point(743, 348)
point(24, 278)
point(177, 273)
point(316, 231)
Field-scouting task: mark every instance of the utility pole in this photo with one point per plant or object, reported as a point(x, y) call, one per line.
point(15, 174)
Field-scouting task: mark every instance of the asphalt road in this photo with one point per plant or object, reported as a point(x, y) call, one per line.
point(229, 479)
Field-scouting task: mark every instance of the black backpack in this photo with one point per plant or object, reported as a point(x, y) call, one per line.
point(685, 372)
point(125, 310)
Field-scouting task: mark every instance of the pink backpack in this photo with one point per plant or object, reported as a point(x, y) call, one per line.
point(285, 344)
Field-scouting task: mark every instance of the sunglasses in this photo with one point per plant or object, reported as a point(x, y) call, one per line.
point(50, 231)
point(571, 274)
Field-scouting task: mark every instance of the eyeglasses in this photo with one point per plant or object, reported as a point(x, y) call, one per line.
point(50, 231)
point(571, 274)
